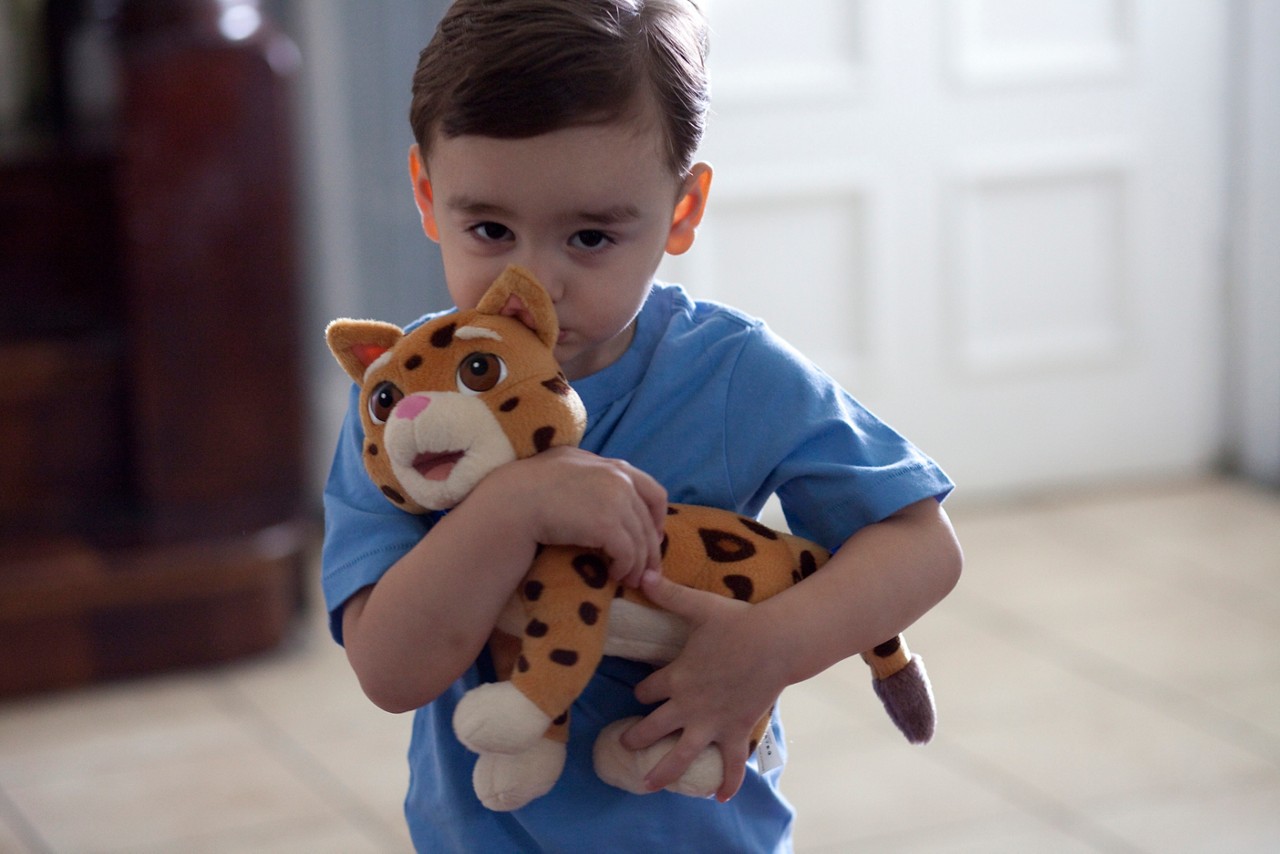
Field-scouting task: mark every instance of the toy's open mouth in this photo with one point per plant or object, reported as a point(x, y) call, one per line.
point(437, 466)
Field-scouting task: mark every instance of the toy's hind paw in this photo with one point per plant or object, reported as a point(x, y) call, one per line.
point(626, 769)
point(497, 718)
point(505, 782)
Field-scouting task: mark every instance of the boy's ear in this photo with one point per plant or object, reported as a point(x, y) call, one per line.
point(689, 210)
point(422, 193)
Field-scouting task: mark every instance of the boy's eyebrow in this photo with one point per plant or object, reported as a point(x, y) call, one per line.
point(609, 216)
point(605, 216)
point(475, 207)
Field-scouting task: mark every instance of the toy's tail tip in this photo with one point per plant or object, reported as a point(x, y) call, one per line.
point(908, 698)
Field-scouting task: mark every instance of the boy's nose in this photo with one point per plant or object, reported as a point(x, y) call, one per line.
point(546, 272)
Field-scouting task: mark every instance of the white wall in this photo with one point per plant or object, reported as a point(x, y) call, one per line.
point(1254, 296)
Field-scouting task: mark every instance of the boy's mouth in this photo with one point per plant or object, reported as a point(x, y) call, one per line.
point(437, 466)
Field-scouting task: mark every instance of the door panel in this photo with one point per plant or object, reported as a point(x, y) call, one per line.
point(997, 222)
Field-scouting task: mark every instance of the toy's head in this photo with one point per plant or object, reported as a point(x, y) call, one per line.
point(452, 400)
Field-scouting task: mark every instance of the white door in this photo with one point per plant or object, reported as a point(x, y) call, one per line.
point(997, 222)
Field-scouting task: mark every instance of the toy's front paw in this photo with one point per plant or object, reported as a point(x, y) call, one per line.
point(626, 769)
point(508, 782)
point(497, 718)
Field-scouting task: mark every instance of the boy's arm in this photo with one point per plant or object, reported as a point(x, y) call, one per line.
point(414, 632)
point(739, 658)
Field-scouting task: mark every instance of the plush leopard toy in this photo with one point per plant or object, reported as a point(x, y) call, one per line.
point(450, 401)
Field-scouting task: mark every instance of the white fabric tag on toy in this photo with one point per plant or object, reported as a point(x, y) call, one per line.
point(768, 756)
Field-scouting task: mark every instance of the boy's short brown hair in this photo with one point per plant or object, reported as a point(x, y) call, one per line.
point(513, 69)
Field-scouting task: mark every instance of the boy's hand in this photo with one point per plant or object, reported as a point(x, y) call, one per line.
point(574, 497)
point(715, 691)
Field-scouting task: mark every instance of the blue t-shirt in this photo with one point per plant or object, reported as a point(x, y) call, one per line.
point(721, 412)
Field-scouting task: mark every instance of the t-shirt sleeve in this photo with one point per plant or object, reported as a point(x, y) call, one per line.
point(364, 534)
point(835, 466)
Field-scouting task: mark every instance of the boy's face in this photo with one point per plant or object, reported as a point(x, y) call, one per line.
point(588, 210)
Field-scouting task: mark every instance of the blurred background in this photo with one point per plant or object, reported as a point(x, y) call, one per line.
point(1039, 237)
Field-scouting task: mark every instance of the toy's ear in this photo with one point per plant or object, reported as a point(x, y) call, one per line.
point(516, 293)
point(357, 344)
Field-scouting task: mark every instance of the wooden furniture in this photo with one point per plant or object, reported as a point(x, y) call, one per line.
point(151, 398)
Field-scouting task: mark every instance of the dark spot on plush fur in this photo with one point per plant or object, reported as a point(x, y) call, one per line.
point(372, 450)
point(557, 384)
point(756, 528)
point(532, 590)
point(671, 511)
point(740, 586)
point(522, 664)
point(413, 362)
point(509, 404)
point(888, 648)
point(542, 438)
point(562, 720)
point(443, 336)
point(593, 570)
point(808, 564)
point(565, 657)
point(393, 495)
point(724, 547)
point(537, 629)
point(666, 541)
point(588, 613)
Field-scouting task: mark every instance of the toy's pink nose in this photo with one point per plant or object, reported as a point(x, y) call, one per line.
point(412, 406)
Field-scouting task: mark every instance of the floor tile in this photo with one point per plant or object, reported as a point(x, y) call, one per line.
point(111, 728)
point(1245, 819)
point(850, 778)
point(323, 836)
point(1004, 834)
point(15, 839)
point(1093, 747)
point(235, 786)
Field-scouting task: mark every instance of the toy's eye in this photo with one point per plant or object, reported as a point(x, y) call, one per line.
point(480, 372)
point(383, 400)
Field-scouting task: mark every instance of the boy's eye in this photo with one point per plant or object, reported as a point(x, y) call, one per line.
point(491, 231)
point(590, 239)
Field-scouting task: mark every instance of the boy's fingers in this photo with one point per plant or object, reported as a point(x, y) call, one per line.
point(682, 601)
point(648, 729)
point(654, 497)
point(672, 766)
point(653, 689)
point(735, 771)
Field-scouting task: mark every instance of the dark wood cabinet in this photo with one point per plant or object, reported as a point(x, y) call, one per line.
point(151, 397)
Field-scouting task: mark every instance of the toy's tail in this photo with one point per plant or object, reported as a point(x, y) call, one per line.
point(901, 683)
point(900, 680)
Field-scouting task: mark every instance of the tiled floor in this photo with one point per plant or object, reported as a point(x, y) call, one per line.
point(1107, 676)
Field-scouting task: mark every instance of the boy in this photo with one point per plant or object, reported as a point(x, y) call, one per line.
point(559, 135)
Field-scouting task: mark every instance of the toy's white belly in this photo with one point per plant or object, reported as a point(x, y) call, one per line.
point(644, 634)
point(635, 632)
